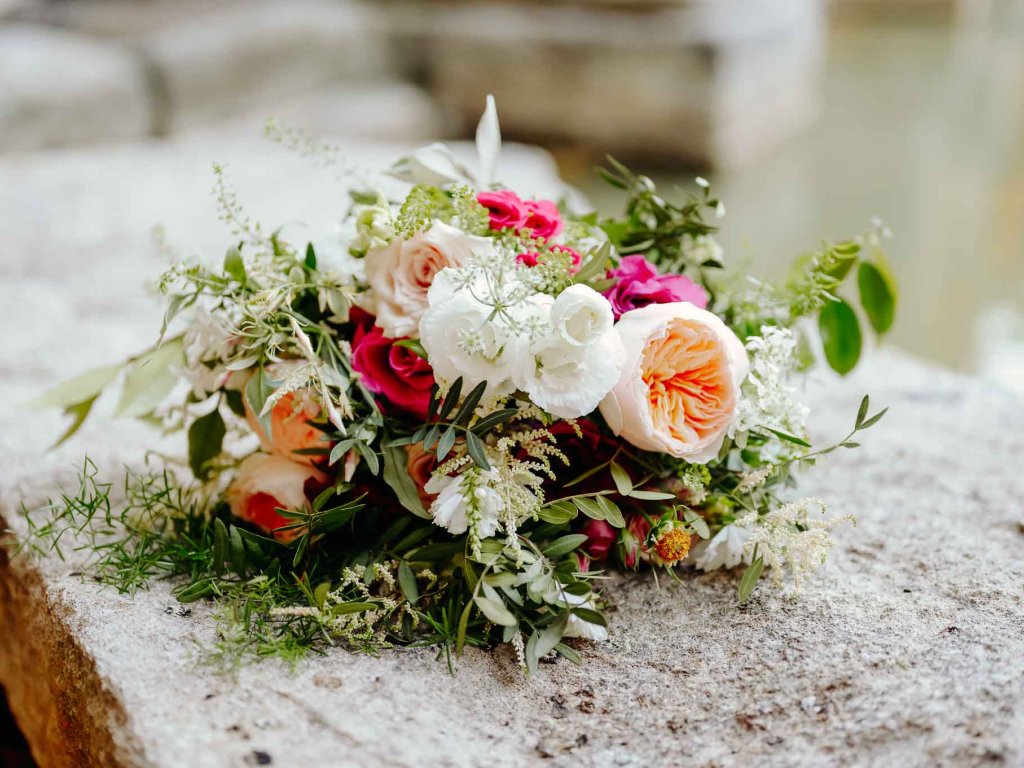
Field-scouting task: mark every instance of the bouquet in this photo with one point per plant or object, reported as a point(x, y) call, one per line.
point(446, 426)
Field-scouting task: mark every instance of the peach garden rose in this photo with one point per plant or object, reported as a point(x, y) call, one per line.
point(679, 387)
point(265, 483)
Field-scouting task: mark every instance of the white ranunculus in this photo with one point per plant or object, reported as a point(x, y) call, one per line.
point(570, 381)
point(725, 549)
point(450, 508)
point(463, 339)
point(581, 316)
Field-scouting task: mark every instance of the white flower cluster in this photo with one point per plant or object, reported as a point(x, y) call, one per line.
point(768, 398)
point(788, 538)
point(486, 322)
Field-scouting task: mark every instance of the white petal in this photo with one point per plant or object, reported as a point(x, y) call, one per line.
point(488, 144)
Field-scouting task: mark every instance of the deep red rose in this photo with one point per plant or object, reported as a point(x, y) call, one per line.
point(391, 370)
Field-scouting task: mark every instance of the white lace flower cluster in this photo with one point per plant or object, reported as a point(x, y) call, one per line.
point(768, 397)
point(788, 538)
point(486, 323)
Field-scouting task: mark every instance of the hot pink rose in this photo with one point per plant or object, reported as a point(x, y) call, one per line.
point(543, 218)
point(639, 284)
point(600, 538)
point(531, 258)
point(506, 210)
point(395, 372)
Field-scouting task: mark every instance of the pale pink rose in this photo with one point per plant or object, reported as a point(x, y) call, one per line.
point(265, 483)
point(290, 428)
point(680, 384)
point(401, 273)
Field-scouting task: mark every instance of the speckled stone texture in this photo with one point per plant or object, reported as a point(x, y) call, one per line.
point(908, 649)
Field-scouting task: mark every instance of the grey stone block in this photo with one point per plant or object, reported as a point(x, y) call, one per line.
point(58, 87)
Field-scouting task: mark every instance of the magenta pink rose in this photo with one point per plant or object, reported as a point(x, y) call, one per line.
point(543, 218)
point(637, 284)
point(391, 370)
point(600, 538)
point(531, 258)
point(505, 208)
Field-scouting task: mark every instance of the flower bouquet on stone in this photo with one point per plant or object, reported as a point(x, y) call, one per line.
point(442, 425)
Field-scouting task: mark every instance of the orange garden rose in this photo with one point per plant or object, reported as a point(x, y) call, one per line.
point(266, 482)
point(680, 384)
point(290, 428)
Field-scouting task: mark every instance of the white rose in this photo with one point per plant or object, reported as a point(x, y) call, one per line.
point(400, 274)
point(680, 383)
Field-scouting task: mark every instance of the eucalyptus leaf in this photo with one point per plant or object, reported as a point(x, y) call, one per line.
point(749, 579)
point(205, 440)
point(151, 378)
point(396, 475)
point(877, 295)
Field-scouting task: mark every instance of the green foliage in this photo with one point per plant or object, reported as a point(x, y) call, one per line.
point(840, 336)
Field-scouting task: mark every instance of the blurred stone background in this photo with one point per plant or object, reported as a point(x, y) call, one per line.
point(808, 116)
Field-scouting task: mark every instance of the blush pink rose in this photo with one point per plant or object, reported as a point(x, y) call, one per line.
point(265, 483)
point(505, 209)
point(421, 464)
point(680, 383)
point(401, 273)
point(543, 219)
point(637, 284)
point(394, 371)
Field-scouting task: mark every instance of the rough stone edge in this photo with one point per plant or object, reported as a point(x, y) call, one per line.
point(69, 717)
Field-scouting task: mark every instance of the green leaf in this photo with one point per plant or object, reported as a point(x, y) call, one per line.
point(621, 477)
point(862, 412)
point(151, 378)
point(450, 399)
point(236, 548)
point(477, 451)
point(220, 545)
point(205, 439)
point(444, 445)
point(749, 579)
point(82, 388)
point(532, 656)
point(563, 545)
point(590, 508)
point(495, 611)
point(559, 513)
point(407, 581)
point(591, 616)
point(651, 496)
point(494, 419)
point(788, 437)
point(874, 419)
point(310, 260)
point(196, 591)
point(369, 456)
point(840, 336)
point(460, 635)
point(569, 653)
point(233, 265)
point(877, 295)
point(352, 607)
point(320, 594)
point(470, 403)
point(612, 513)
point(79, 413)
point(414, 346)
point(396, 475)
point(257, 390)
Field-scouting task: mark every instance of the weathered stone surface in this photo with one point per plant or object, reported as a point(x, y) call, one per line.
point(715, 83)
point(246, 55)
point(907, 650)
point(57, 87)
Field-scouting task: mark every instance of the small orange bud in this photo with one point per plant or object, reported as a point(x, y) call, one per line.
point(672, 546)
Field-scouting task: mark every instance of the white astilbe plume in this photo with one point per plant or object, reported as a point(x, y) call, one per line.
point(767, 400)
point(790, 540)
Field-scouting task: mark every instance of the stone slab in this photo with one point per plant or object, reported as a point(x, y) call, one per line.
point(907, 650)
point(58, 87)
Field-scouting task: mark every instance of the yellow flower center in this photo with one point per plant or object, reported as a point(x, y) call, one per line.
point(672, 546)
